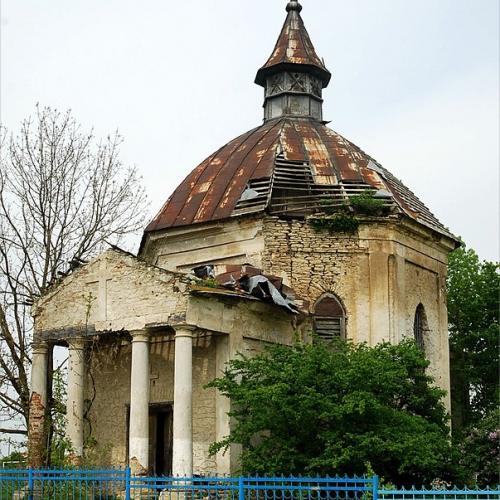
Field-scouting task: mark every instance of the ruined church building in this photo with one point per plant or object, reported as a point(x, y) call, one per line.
point(145, 333)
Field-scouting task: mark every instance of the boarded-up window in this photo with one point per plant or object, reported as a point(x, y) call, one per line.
point(419, 326)
point(329, 319)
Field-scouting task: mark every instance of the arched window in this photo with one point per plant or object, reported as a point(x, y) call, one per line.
point(329, 318)
point(420, 326)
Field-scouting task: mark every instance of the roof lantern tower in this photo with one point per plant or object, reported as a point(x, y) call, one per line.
point(294, 76)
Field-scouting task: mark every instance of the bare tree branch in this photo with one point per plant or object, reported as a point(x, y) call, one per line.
point(63, 194)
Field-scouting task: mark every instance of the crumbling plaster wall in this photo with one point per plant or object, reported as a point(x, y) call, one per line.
point(113, 292)
point(357, 268)
point(107, 394)
point(237, 241)
point(380, 274)
point(372, 272)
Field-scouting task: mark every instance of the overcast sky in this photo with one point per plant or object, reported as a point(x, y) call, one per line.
point(415, 84)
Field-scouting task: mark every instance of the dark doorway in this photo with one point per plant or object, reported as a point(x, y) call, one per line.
point(160, 439)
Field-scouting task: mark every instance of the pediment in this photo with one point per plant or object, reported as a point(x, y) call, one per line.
point(114, 292)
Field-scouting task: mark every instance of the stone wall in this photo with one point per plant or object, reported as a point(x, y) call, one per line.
point(107, 396)
point(380, 274)
point(313, 263)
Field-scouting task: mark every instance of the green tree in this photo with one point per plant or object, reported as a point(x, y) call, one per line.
point(473, 307)
point(338, 409)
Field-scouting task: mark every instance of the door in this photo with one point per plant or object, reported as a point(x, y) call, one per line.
point(160, 439)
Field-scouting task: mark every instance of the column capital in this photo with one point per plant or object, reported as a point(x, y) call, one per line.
point(76, 343)
point(40, 346)
point(183, 330)
point(139, 335)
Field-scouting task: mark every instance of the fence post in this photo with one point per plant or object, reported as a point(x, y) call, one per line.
point(241, 489)
point(30, 484)
point(375, 487)
point(127, 483)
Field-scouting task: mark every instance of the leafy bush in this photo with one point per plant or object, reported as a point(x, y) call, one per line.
point(338, 408)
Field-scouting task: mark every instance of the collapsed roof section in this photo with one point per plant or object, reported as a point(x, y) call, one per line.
point(250, 282)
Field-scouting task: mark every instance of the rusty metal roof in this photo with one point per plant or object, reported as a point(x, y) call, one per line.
point(294, 47)
point(214, 188)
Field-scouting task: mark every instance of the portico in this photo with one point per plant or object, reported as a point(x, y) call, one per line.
point(138, 366)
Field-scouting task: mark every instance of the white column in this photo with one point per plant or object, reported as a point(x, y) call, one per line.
point(182, 461)
point(39, 366)
point(38, 405)
point(139, 404)
point(74, 404)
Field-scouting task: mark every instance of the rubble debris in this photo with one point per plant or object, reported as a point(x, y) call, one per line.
point(204, 272)
point(252, 281)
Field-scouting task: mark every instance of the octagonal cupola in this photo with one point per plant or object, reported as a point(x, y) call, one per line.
point(294, 76)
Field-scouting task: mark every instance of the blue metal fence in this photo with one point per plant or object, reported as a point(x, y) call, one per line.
point(114, 484)
point(448, 494)
point(258, 488)
point(81, 484)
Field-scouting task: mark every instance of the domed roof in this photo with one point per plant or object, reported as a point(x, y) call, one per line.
point(293, 164)
point(287, 165)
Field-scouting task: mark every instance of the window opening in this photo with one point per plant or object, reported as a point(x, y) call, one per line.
point(419, 326)
point(329, 319)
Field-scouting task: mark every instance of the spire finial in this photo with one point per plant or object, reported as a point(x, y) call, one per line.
point(293, 5)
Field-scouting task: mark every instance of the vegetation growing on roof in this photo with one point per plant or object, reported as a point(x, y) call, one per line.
point(336, 218)
point(341, 217)
point(367, 204)
point(341, 222)
point(208, 283)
